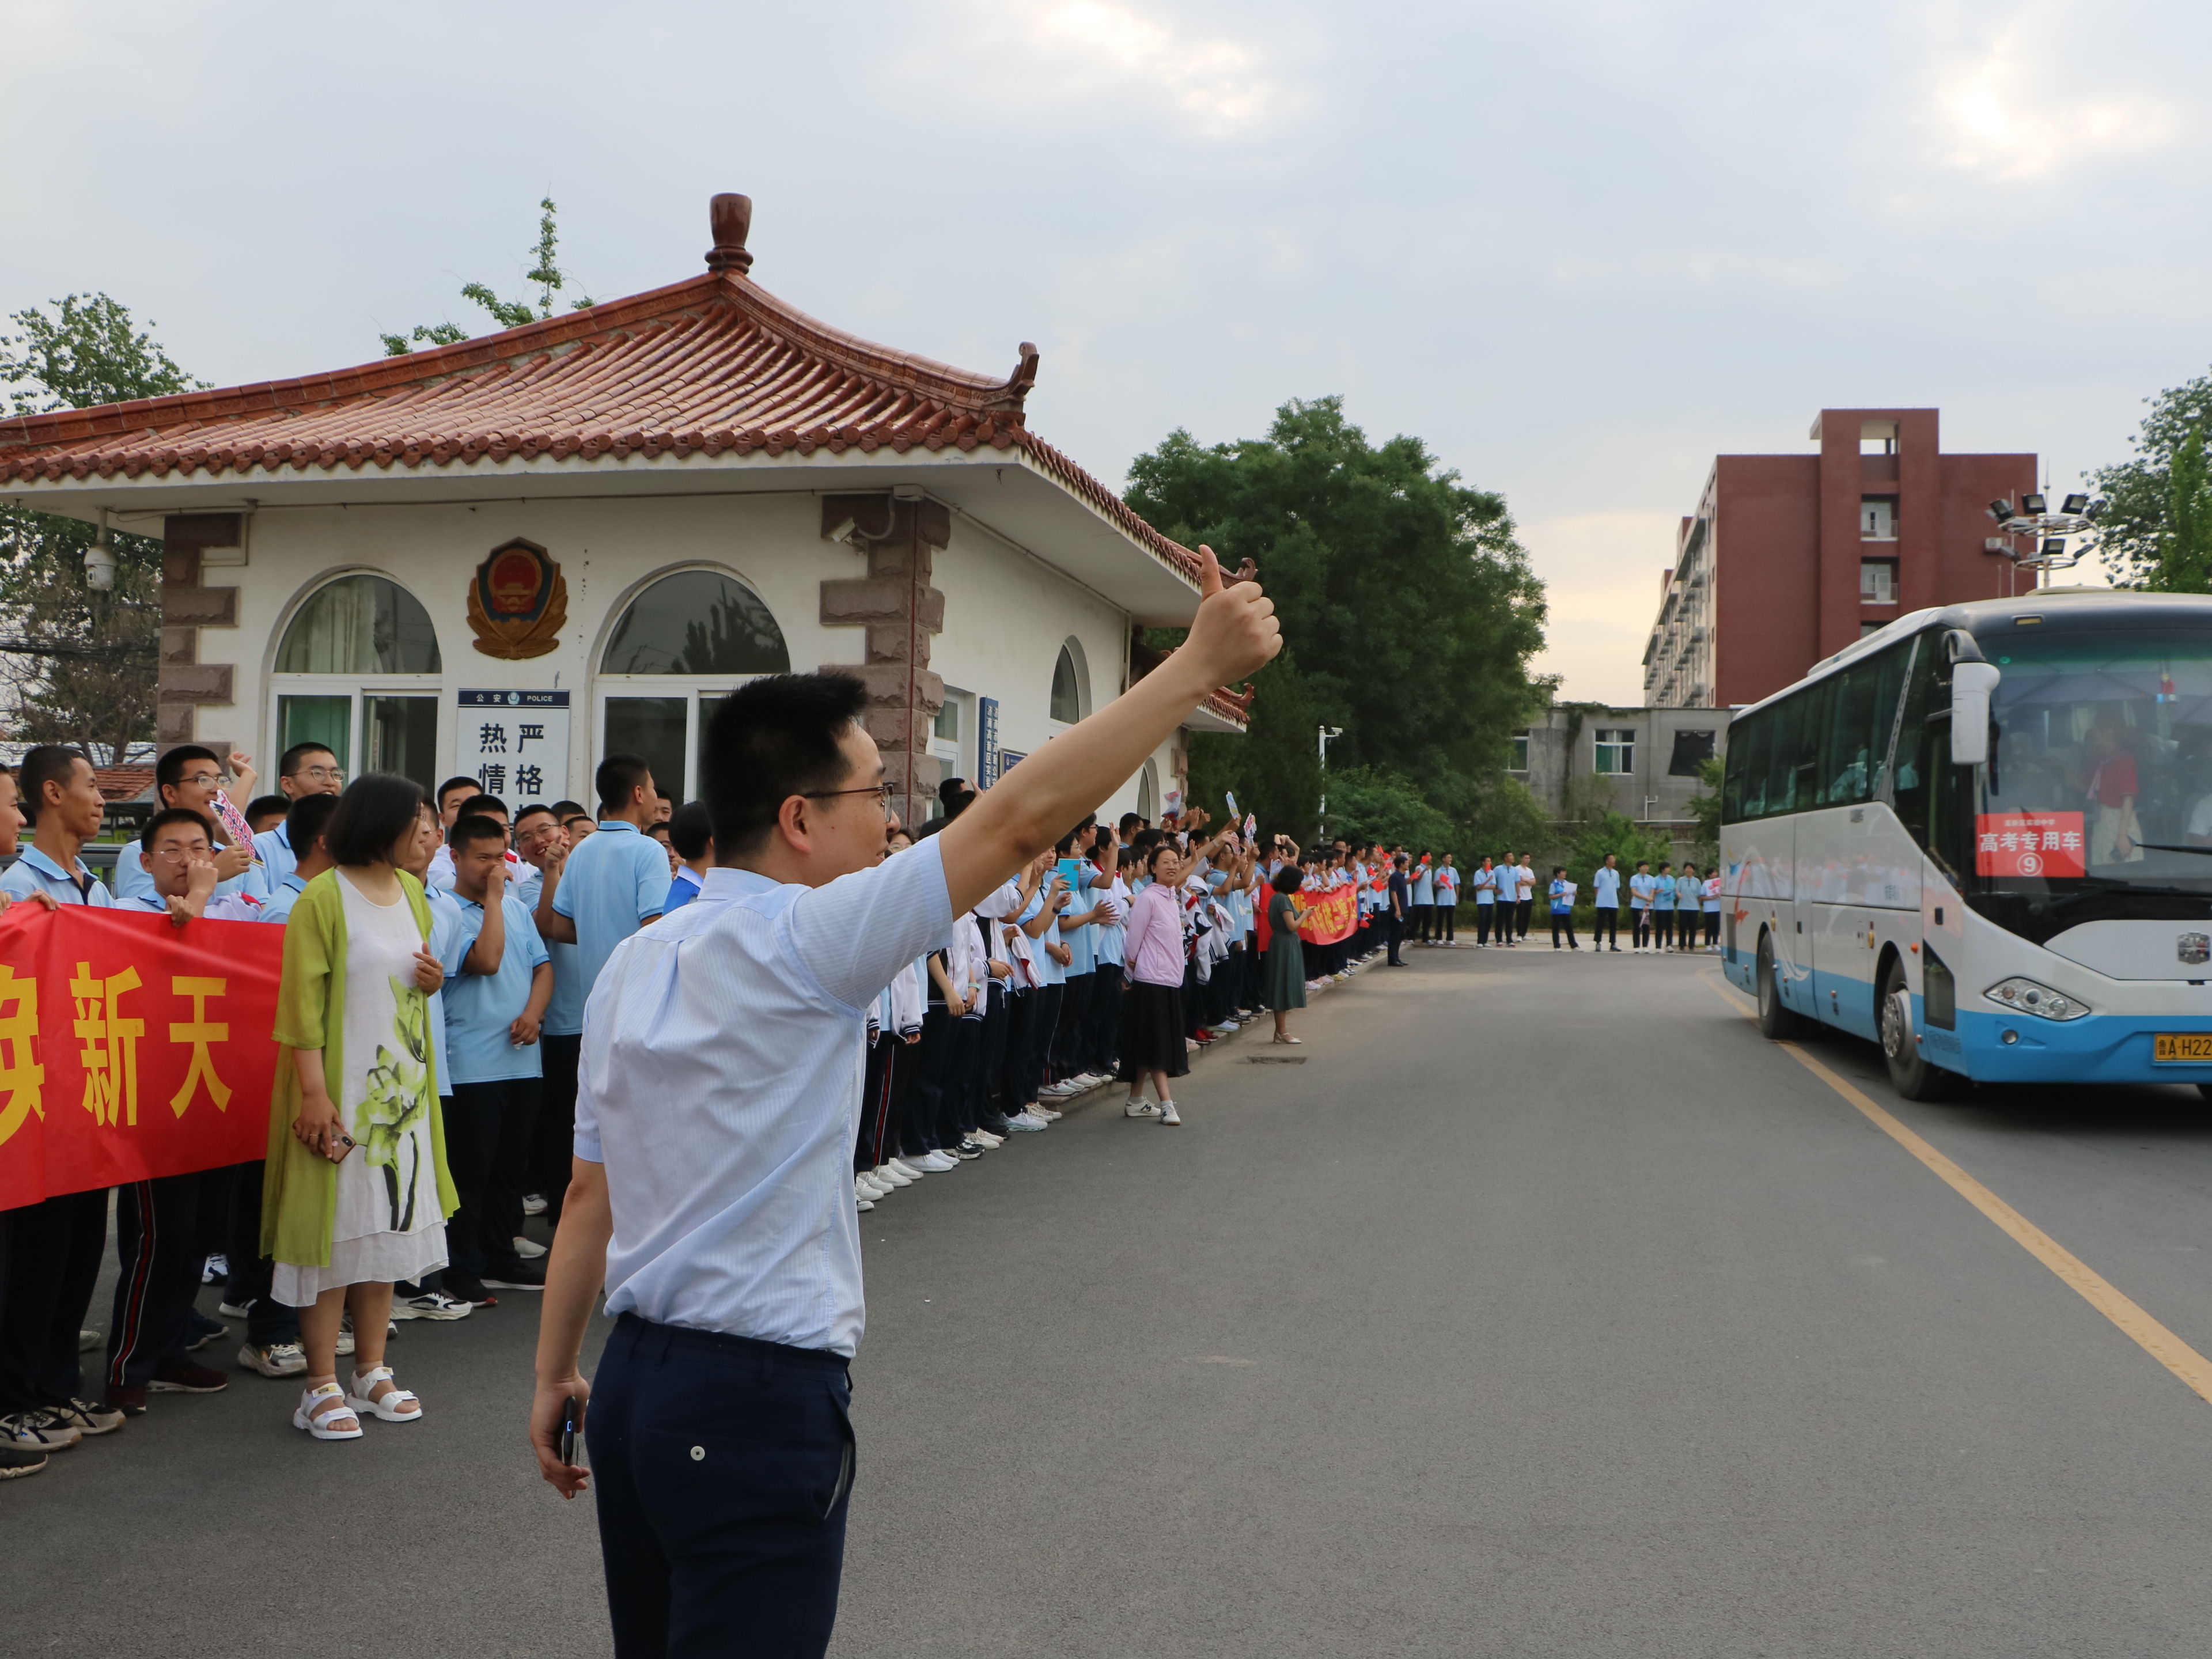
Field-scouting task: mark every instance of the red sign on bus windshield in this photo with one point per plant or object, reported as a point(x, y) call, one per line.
point(2028, 844)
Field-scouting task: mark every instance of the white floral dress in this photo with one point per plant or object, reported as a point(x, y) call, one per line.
point(387, 1226)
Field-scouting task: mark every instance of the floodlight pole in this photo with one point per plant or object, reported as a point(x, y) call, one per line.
point(1321, 830)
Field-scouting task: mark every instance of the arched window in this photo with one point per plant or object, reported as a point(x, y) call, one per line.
point(1148, 792)
point(682, 645)
point(1067, 689)
point(357, 671)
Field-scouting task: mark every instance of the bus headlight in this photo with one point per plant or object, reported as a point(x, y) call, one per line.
point(2026, 997)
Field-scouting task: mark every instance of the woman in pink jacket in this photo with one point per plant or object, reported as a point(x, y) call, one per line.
point(1151, 1004)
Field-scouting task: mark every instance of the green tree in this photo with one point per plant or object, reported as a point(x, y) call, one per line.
point(1375, 804)
point(2154, 510)
point(1409, 607)
point(1706, 808)
point(78, 665)
point(507, 313)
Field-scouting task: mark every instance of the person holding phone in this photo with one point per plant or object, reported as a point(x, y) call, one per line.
point(356, 1191)
point(712, 1191)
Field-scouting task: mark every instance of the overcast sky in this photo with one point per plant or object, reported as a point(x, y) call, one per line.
point(1578, 250)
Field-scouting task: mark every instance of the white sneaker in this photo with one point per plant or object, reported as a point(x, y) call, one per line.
point(533, 1204)
point(528, 1249)
point(277, 1359)
point(1167, 1113)
point(938, 1162)
point(864, 1204)
point(1025, 1122)
point(900, 1166)
point(1140, 1109)
point(866, 1190)
point(432, 1304)
point(986, 1139)
point(1229, 1025)
point(885, 1175)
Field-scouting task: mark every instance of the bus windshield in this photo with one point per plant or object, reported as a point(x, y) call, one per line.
point(2101, 772)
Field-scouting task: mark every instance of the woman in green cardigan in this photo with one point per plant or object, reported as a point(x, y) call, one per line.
point(356, 1193)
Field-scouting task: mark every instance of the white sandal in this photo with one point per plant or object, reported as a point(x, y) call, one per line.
point(319, 1406)
point(358, 1398)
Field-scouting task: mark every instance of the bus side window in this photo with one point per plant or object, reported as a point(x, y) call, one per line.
point(1743, 786)
point(1910, 781)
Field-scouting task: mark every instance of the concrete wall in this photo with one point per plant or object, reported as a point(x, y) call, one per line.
point(1560, 753)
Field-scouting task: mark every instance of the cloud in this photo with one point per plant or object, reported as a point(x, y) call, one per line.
point(2014, 111)
point(1218, 86)
point(1601, 572)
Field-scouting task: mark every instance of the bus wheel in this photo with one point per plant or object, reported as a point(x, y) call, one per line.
point(1910, 1074)
point(1775, 1021)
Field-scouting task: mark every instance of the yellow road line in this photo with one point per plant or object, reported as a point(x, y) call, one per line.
point(2152, 1338)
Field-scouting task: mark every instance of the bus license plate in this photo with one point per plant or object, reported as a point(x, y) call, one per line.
point(2181, 1046)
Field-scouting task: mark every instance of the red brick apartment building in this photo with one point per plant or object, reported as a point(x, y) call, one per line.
point(1788, 558)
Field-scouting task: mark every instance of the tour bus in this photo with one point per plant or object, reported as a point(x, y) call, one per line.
point(1982, 838)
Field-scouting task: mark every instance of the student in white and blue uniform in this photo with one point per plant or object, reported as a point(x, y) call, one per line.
point(307, 768)
point(1605, 904)
point(499, 979)
point(190, 775)
point(53, 1249)
point(1641, 886)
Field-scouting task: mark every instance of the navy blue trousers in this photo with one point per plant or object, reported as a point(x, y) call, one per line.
point(724, 1470)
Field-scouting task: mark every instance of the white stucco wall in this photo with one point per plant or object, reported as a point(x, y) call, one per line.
point(1007, 614)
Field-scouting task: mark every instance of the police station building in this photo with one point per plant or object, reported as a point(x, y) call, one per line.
point(508, 557)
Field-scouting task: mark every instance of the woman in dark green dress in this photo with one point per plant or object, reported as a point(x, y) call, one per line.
point(1286, 961)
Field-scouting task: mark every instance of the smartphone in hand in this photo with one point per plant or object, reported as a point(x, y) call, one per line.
point(572, 1432)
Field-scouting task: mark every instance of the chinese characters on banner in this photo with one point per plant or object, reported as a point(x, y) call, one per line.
point(2029, 844)
point(515, 745)
point(1331, 917)
point(129, 1049)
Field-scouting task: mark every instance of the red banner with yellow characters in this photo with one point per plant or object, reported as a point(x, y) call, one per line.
point(1326, 918)
point(130, 1047)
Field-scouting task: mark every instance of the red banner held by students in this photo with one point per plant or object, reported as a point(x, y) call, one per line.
point(1326, 918)
point(128, 1048)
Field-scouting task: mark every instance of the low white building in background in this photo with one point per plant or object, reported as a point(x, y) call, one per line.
point(509, 557)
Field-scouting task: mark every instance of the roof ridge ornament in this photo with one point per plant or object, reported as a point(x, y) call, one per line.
point(731, 216)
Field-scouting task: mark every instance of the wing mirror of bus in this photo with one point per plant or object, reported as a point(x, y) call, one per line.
point(1971, 682)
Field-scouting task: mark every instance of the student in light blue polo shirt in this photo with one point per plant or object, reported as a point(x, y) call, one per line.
point(618, 880)
point(499, 980)
point(309, 817)
point(544, 845)
point(1605, 903)
point(1641, 886)
point(191, 775)
point(53, 1249)
point(307, 768)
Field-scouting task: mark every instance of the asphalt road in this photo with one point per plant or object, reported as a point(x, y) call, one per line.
point(1543, 1310)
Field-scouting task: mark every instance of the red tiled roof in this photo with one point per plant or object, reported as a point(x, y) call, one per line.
point(124, 783)
point(711, 365)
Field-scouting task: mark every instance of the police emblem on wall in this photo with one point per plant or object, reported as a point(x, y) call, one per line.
point(518, 602)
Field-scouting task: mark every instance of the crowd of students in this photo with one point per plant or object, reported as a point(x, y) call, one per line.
point(438, 955)
point(451, 961)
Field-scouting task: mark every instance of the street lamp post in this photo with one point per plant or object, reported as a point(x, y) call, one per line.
point(2061, 537)
point(1321, 831)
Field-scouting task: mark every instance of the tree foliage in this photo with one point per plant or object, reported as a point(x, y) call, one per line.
point(76, 665)
point(507, 314)
point(1374, 804)
point(1409, 609)
point(2155, 510)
